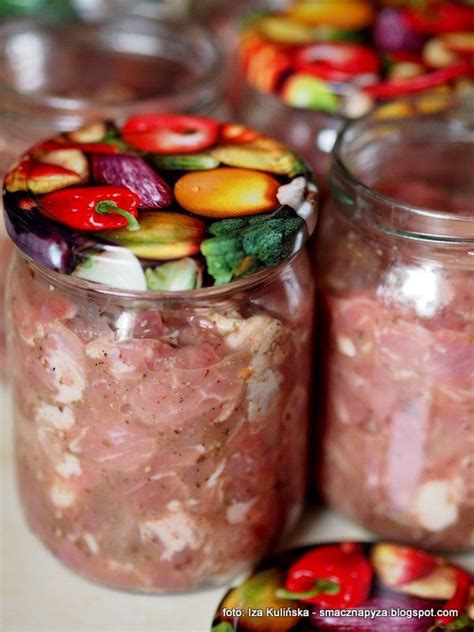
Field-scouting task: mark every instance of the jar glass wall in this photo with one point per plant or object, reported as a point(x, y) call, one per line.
point(102, 70)
point(310, 133)
point(161, 439)
point(395, 274)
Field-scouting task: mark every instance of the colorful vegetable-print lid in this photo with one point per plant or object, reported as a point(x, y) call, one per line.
point(349, 586)
point(342, 56)
point(160, 203)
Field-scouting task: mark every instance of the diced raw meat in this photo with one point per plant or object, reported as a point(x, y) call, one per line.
point(399, 427)
point(119, 447)
point(160, 450)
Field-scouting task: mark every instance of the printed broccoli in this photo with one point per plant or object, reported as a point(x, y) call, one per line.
point(244, 245)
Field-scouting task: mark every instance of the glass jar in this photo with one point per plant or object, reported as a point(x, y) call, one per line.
point(395, 275)
point(306, 70)
point(160, 375)
point(126, 65)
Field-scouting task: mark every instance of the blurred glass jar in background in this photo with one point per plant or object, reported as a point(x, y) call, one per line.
point(395, 266)
point(309, 68)
point(100, 9)
point(62, 10)
point(52, 82)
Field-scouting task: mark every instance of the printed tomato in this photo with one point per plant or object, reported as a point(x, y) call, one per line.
point(170, 134)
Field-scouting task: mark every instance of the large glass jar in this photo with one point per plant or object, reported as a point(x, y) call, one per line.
point(124, 65)
point(160, 375)
point(396, 277)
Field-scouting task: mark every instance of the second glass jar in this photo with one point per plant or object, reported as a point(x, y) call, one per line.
point(395, 272)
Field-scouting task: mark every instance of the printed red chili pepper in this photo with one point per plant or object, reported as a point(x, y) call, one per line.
point(459, 599)
point(440, 17)
point(92, 208)
point(391, 89)
point(333, 576)
point(170, 134)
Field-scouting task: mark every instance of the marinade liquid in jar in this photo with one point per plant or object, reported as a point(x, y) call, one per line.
point(395, 250)
point(160, 309)
point(51, 83)
point(308, 68)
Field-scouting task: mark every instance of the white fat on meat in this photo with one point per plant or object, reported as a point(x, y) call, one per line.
point(121, 363)
point(59, 417)
point(437, 504)
point(62, 495)
point(91, 542)
point(237, 511)
point(69, 466)
point(68, 377)
point(262, 391)
point(176, 532)
point(214, 477)
point(262, 337)
point(346, 346)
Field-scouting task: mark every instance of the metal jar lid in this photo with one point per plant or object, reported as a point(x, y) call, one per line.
point(349, 586)
point(160, 203)
point(342, 58)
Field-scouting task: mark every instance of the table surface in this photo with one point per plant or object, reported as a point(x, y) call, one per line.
point(38, 593)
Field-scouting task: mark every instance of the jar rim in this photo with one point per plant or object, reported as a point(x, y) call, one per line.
point(263, 278)
point(452, 227)
point(76, 106)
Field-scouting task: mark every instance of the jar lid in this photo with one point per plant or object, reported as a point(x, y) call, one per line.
point(160, 203)
point(350, 586)
point(343, 57)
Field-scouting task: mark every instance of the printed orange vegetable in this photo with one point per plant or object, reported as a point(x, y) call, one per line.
point(343, 14)
point(170, 134)
point(227, 192)
point(266, 66)
point(92, 208)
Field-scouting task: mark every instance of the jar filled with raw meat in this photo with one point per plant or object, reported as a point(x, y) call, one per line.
point(51, 83)
point(396, 277)
point(160, 309)
point(307, 69)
